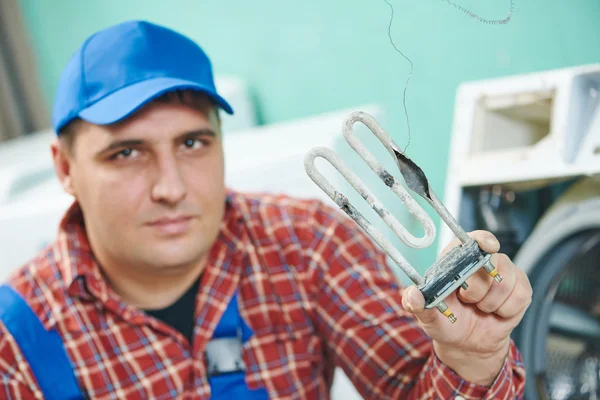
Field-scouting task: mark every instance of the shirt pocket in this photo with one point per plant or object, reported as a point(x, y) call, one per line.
point(285, 363)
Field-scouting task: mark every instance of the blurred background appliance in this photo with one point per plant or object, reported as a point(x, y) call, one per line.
point(525, 165)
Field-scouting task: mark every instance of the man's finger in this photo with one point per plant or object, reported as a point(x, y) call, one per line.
point(478, 286)
point(498, 293)
point(486, 241)
point(519, 299)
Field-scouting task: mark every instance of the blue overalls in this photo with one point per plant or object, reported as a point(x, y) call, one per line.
point(50, 364)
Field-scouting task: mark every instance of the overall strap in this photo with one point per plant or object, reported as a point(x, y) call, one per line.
point(226, 368)
point(231, 323)
point(43, 350)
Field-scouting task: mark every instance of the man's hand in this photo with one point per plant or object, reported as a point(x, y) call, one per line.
point(476, 346)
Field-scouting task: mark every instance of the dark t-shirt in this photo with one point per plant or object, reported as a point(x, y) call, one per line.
point(180, 315)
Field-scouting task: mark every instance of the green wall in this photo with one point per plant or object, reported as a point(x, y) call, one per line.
point(311, 56)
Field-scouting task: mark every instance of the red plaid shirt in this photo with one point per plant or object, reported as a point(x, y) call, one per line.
point(316, 292)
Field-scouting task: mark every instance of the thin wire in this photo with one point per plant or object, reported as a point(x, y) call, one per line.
point(409, 75)
point(458, 7)
point(485, 20)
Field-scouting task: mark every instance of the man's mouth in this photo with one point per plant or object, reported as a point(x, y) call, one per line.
point(171, 226)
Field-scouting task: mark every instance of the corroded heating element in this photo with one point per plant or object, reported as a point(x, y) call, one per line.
point(451, 270)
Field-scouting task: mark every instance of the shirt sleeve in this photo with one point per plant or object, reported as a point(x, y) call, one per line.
point(379, 345)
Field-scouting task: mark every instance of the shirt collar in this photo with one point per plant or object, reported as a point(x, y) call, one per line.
point(77, 264)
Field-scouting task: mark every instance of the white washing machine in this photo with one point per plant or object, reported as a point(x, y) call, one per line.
point(525, 164)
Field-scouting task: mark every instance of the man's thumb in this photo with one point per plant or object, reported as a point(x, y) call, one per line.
point(414, 302)
point(413, 299)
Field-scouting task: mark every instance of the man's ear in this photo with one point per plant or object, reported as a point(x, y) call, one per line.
point(62, 165)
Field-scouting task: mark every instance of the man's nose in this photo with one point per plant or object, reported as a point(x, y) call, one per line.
point(169, 186)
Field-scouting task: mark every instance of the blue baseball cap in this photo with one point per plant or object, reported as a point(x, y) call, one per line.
point(119, 69)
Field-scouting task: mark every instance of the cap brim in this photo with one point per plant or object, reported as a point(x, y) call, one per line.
point(124, 102)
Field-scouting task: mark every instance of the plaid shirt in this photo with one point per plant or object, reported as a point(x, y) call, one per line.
point(316, 292)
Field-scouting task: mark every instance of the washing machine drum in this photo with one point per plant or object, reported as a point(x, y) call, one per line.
point(559, 336)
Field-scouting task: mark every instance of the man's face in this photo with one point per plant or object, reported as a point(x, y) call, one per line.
point(151, 187)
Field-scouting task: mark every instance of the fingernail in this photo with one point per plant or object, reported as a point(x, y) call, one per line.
point(492, 242)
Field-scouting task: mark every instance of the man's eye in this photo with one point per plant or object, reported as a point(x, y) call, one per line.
point(125, 153)
point(193, 143)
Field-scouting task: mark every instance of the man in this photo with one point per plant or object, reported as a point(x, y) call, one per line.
point(163, 284)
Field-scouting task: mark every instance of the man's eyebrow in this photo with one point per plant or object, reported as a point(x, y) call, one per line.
point(199, 132)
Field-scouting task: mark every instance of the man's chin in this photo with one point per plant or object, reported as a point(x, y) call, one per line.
point(175, 267)
point(174, 255)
